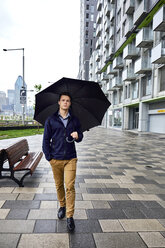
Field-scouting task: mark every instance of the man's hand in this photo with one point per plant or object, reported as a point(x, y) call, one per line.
point(74, 135)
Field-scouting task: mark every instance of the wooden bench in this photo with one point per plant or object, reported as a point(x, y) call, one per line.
point(18, 158)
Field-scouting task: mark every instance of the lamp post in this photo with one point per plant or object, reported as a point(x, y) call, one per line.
point(23, 78)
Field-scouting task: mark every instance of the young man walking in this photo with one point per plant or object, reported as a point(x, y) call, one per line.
point(61, 130)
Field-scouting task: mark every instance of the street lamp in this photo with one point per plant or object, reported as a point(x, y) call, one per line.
point(23, 77)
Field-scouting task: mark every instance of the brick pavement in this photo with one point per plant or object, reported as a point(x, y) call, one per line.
point(120, 196)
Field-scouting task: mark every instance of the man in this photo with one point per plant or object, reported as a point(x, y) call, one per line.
point(61, 130)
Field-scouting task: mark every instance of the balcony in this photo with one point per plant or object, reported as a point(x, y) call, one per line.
point(98, 57)
point(107, 9)
point(117, 82)
point(110, 70)
point(104, 76)
point(98, 69)
point(112, 13)
point(143, 65)
point(99, 5)
point(107, 41)
point(130, 52)
point(109, 86)
point(98, 43)
point(107, 24)
point(158, 53)
point(129, 7)
point(111, 49)
point(111, 32)
point(128, 74)
point(144, 38)
point(140, 13)
point(99, 18)
point(129, 26)
point(118, 63)
point(159, 20)
point(98, 30)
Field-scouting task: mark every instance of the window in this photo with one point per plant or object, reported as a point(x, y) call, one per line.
point(117, 118)
point(124, 3)
point(118, 36)
point(146, 85)
point(162, 78)
point(135, 90)
point(115, 98)
point(87, 24)
point(120, 96)
point(86, 33)
point(118, 17)
point(123, 28)
point(127, 91)
point(92, 9)
point(87, 7)
point(87, 15)
point(92, 17)
point(86, 41)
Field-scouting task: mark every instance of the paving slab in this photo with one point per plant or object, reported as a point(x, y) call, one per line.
point(9, 240)
point(153, 239)
point(50, 240)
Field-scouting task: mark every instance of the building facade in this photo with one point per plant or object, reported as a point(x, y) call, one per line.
point(87, 36)
point(18, 87)
point(129, 62)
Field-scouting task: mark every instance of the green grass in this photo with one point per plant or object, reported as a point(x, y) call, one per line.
point(8, 134)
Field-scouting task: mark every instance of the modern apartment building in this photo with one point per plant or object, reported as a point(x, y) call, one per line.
point(129, 62)
point(87, 36)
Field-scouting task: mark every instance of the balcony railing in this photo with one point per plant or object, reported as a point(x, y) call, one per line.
point(128, 26)
point(140, 12)
point(109, 86)
point(117, 82)
point(129, 6)
point(98, 30)
point(107, 9)
point(99, 18)
point(111, 32)
point(131, 52)
point(128, 75)
point(104, 76)
point(98, 43)
point(118, 63)
point(112, 12)
point(107, 24)
point(107, 40)
point(144, 38)
point(111, 71)
point(98, 57)
point(99, 5)
point(159, 20)
point(143, 65)
point(158, 53)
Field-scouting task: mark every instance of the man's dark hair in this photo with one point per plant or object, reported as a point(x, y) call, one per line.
point(65, 94)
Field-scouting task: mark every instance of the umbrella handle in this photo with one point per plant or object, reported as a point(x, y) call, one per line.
point(69, 141)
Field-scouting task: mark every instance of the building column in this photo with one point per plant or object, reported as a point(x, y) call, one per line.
point(125, 121)
point(143, 117)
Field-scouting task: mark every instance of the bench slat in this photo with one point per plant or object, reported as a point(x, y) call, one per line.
point(30, 162)
point(17, 151)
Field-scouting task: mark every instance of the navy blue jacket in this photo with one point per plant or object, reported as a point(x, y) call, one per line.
point(54, 144)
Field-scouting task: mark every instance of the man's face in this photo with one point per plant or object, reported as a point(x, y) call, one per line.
point(64, 102)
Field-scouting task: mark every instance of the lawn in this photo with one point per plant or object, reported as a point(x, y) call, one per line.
point(8, 134)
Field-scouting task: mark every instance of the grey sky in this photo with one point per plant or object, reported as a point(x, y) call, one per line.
point(49, 32)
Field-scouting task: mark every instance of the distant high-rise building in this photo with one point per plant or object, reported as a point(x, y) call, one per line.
point(11, 96)
point(87, 36)
point(18, 87)
point(3, 99)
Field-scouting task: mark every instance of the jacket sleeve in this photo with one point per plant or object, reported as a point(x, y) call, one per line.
point(79, 131)
point(46, 140)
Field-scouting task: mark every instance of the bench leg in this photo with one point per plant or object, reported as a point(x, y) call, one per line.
point(22, 178)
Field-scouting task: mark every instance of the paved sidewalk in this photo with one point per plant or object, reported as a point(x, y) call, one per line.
point(120, 199)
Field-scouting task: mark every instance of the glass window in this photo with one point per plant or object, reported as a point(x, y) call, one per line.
point(135, 89)
point(92, 17)
point(115, 97)
point(146, 85)
point(92, 9)
point(117, 118)
point(87, 6)
point(162, 78)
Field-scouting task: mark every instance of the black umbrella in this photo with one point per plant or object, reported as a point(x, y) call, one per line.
point(89, 103)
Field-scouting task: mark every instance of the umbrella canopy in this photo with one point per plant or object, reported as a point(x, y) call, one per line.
point(89, 103)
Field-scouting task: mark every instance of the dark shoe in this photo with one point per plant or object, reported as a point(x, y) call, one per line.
point(61, 212)
point(70, 224)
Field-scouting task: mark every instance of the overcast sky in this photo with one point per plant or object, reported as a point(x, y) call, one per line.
point(49, 30)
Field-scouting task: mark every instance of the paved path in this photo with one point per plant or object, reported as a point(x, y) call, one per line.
point(120, 199)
